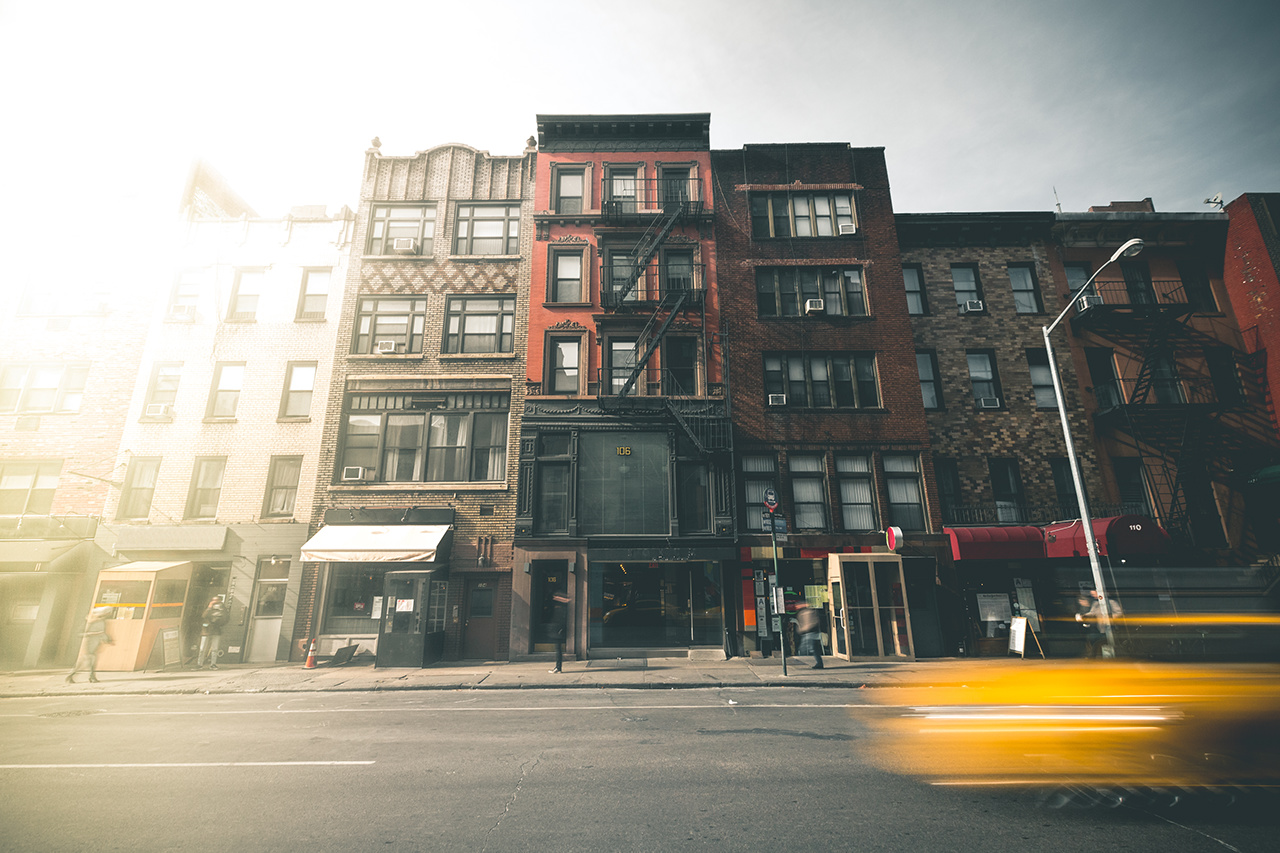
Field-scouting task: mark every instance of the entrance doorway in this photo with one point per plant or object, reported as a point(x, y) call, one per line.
point(869, 616)
point(656, 605)
point(549, 577)
point(267, 608)
point(479, 641)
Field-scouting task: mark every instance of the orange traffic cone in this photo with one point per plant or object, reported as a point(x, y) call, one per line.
point(311, 656)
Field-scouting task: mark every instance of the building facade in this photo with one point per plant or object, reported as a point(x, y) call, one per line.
point(625, 499)
point(411, 549)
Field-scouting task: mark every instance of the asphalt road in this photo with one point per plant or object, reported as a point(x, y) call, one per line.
point(741, 769)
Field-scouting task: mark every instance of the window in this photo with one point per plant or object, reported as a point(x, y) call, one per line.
point(964, 277)
point(389, 324)
point(28, 487)
point(314, 295)
point(299, 383)
point(282, 487)
point(480, 324)
point(913, 279)
point(788, 214)
point(906, 504)
point(245, 294)
point(1195, 283)
point(206, 487)
point(551, 511)
point(1077, 276)
point(1164, 380)
point(930, 387)
point(1225, 375)
point(564, 365)
point(465, 440)
point(675, 184)
point(1137, 282)
point(48, 387)
point(413, 225)
point(1064, 488)
point(784, 292)
point(1006, 486)
point(1026, 292)
point(982, 375)
point(1131, 481)
point(569, 190)
point(947, 471)
point(621, 274)
point(857, 507)
point(677, 271)
point(139, 487)
point(622, 361)
point(228, 380)
point(1041, 379)
point(624, 483)
point(680, 366)
point(1102, 373)
point(693, 497)
point(185, 295)
point(823, 381)
point(163, 388)
point(488, 229)
point(623, 187)
point(758, 474)
point(566, 276)
point(808, 491)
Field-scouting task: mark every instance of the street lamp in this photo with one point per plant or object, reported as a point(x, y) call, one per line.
point(1128, 250)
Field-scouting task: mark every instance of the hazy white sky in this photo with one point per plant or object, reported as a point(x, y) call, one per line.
point(980, 105)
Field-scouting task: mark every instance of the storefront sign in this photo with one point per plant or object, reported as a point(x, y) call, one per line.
point(994, 607)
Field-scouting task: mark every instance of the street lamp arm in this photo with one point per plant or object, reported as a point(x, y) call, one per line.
point(1128, 250)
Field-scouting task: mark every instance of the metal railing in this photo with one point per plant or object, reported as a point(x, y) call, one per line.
point(1114, 393)
point(656, 284)
point(1002, 513)
point(650, 197)
point(1137, 294)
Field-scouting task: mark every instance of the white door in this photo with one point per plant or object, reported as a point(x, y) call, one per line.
point(268, 611)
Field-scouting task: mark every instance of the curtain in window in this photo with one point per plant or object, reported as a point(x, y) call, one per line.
point(401, 459)
point(855, 492)
point(447, 447)
point(490, 447)
point(806, 488)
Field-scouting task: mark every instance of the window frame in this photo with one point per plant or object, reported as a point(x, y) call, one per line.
point(376, 244)
point(1038, 360)
point(921, 297)
point(216, 391)
point(786, 379)
point(365, 335)
point(453, 340)
point(302, 315)
point(817, 507)
point(773, 215)
point(788, 288)
point(278, 474)
point(977, 286)
point(670, 364)
point(1020, 293)
point(139, 467)
point(552, 368)
point(898, 508)
point(1007, 488)
point(933, 380)
point(289, 392)
point(38, 500)
point(554, 256)
point(184, 297)
point(72, 379)
point(560, 172)
point(993, 381)
point(865, 476)
point(200, 466)
point(466, 217)
point(247, 313)
point(753, 515)
point(1077, 274)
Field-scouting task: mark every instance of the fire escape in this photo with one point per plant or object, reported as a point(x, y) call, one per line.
point(636, 288)
point(1193, 411)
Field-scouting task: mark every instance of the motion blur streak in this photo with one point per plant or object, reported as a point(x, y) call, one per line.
point(1098, 723)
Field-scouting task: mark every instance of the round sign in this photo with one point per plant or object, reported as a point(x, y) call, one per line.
point(893, 538)
point(770, 499)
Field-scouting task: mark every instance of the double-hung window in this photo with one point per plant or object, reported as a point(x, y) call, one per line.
point(808, 491)
point(913, 280)
point(758, 473)
point(487, 229)
point(282, 486)
point(569, 185)
point(206, 486)
point(836, 380)
point(622, 361)
point(982, 376)
point(788, 291)
point(163, 388)
point(1006, 487)
point(930, 386)
point(564, 365)
point(28, 487)
point(964, 277)
point(314, 294)
point(1064, 487)
point(299, 384)
point(139, 487)
point(245, 295)
point(48, 387)
point(465, 441)
point(1041, 379)
point(1077, 276)
point(801, 214)
point(480, 324)
point(906, 502)
point(388, 325)
point(567, 281)
point(228, 381)
point(1026, 292)
point(551, 512)
point(622, 184)
point(857, 491)
point(405, 229)
point(185, 295)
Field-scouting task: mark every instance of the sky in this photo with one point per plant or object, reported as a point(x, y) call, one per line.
point(980, 105)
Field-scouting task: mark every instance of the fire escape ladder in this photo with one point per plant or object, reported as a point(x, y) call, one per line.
point(671, 305)
point(709, 433)
point(650, 242)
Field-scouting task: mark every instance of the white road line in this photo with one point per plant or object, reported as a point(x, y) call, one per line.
point(427, 710)
point(186, 764)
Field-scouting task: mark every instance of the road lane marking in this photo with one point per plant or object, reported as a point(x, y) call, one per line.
point(427, 710)
point(186, 764)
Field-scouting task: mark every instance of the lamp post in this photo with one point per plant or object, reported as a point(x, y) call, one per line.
point(1128, 250)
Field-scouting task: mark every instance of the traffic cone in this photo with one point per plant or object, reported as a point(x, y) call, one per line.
point(311, 656)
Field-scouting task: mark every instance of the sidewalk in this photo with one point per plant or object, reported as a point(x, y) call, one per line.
point(629, 673)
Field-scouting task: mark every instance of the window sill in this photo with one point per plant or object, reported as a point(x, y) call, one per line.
point(482, 258)
point(221, 420)
point(791, 318)
point(239, 320)
point(568, 304)
point(302, 420)
point(829, 410)
point(310, 319)
point(161, 419)
point(472, 356)
point(397, 257)
point(375, 356)
point(484, 486)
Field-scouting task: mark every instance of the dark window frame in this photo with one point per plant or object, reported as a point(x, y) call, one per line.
point(366, 335)
point(844, 387)
point(1007, 489)
point(967, 295)
point(1042, 390)
point(781, 215)
point(198, 496)
point(810, 507)
point(754, 482)
point(991, 384)
point(289, 394)
point(917, 297)
point(902, 513)
point(782, 292)
point(281, 494)
point(552, 381)
point(468, 215)
point(932, 381)
point(865, 477)
point(132, 503)
point(1021, 305)
point(554, 255)
point(380, 237)
point(565, 204)
point(454, 340)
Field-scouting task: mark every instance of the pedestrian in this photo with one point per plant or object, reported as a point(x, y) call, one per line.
point(809, 627)
point(95, 634)
point(559, 626)
point(1089, 615)
point(211, 621)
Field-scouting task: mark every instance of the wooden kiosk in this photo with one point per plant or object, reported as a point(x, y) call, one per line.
point(147, 598)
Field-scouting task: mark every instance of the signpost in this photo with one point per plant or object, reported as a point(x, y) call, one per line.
point(780, 609)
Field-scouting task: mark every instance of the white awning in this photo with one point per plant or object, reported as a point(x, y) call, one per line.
point(375, 543)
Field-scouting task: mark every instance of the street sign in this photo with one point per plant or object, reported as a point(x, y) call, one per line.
point(779, 524)
point(770, 499)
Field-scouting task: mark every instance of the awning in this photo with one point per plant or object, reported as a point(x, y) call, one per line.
point(32, 552)
point(996, 543)
point(1117, 536)
point(377, 543)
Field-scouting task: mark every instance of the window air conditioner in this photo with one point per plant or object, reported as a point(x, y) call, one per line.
point(973, 306)
point(354, 473)
point(777, 399)
point(404, 246)
point(385, 347)
point(989, 402)
point(814, 306)
point(158, 410)
point(1087, 301)
point(848, 228)
point(184, 311)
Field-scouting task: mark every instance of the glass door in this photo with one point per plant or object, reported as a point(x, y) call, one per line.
point(870, 613)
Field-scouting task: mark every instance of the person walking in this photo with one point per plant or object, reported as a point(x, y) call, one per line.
point(1089, 615)
point(95, 635)
point(809, 627)
point(211, 621)
point(559, 626)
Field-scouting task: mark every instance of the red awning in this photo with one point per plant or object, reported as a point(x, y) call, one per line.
point(1117, 536)
point(996, 543)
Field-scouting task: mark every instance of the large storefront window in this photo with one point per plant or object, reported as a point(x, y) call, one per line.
point(622, 483)
point(355, 592)
point(655, 604)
